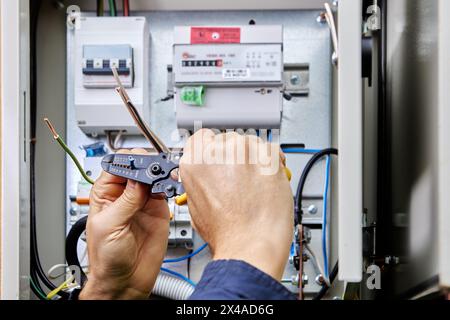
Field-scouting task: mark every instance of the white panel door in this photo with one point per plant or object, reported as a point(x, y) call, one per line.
point(350, 141)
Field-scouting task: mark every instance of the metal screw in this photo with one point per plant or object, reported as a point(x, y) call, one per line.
point(321, 18)
point(312, 209)
point(319, 280)
point(295, 80)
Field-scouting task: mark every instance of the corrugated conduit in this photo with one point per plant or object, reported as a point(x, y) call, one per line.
point(172, 288)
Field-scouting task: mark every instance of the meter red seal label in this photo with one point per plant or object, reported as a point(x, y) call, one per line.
point(204, 35)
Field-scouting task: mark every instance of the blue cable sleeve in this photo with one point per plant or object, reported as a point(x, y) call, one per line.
point(300, 151)
point(324, 223)
point(186, 256)
point(179, 275)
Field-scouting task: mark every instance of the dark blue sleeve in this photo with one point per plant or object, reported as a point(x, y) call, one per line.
point(237, 280)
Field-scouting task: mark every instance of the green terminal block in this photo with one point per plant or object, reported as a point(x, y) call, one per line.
point(193, 96)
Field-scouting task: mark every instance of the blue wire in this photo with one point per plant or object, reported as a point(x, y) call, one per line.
point(179, 275)
point(324, 214)
point(325, 201)
point(300, 151)
point(186, 256)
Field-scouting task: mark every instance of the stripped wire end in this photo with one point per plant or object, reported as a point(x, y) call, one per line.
point(67, 150)
point(51, 128)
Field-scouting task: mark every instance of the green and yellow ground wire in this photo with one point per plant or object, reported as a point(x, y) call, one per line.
point(67, 150)
point(40, 293)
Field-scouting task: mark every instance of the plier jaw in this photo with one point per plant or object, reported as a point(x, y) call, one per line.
point(154, 170)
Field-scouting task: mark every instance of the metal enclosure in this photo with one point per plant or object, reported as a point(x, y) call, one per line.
point(306, 119)
point(412, 93)
point(444, 144)
point(418, 86)
point(350, 142)
point(15, 151)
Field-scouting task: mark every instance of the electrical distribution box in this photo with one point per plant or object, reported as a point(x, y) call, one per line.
point(99, 44)
point(228, 77)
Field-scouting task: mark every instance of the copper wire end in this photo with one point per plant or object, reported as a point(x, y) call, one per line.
point(51, 128)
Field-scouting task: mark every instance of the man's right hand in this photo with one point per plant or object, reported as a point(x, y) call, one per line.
point(241, 207)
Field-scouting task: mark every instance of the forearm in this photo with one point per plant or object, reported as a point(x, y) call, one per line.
point(238, 280)
point(94, 290)
point(264, 254)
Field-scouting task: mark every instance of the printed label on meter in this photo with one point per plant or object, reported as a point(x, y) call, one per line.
point(236, 73)
point(228, 63)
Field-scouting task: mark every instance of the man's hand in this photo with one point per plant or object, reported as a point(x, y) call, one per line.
point(127, 232)
point(240, 207)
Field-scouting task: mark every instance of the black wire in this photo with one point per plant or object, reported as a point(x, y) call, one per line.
point(301, 184)
point(72, 245)
point(299, 211)
point(325, 287)
point(36, 288)
point(188, 266)
point(36, 282)
point(36, 272)
point(100, 8)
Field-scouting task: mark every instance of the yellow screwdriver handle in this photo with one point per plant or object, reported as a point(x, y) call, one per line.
point(182, 200)
point(288, 173)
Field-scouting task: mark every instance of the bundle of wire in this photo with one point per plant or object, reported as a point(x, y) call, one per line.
point(113, 8)
point(38, 278)
point(80, 226)
point(317, 156)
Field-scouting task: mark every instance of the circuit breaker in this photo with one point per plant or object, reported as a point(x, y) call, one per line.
point(98, 44)
point(228, 77)
point(98, 60)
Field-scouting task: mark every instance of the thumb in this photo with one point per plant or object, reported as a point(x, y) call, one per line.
point(132, 200)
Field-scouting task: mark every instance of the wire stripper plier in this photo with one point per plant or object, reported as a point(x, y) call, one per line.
point(154, 170)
